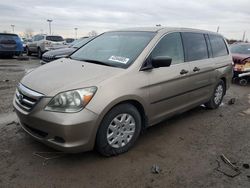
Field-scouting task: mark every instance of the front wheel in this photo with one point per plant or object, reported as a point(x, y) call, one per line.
point(217, 96)
point(119, 130)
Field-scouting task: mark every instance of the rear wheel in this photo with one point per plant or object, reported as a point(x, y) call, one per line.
point(217, 96)
point(39, 53)
point(119, 130)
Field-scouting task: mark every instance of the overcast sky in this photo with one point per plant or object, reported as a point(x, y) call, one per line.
point(233, 17)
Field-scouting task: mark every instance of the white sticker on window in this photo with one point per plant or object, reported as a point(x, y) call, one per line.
point(119, 59)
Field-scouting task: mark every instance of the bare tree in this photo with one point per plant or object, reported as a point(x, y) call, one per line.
point(28, 33)
point(93, 33)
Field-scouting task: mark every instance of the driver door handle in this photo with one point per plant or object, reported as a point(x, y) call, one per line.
point(183, 71)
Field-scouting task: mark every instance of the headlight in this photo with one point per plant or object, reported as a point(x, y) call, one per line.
point(71, 101)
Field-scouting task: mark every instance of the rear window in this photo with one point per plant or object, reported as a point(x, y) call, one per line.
point(54, 38)
point(195, 46)
point(9, 36)
point(218, 45)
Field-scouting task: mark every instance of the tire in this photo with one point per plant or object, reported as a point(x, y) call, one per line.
point(114, 137)
point(243, 82)
point(28, 52)
point(217, 96)
point(39, 53)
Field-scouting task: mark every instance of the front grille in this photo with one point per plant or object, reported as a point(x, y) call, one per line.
point(48, 58)
point(26, 98)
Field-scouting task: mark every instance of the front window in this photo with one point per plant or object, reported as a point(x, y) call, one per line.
point(240, 49)
point(118, 49)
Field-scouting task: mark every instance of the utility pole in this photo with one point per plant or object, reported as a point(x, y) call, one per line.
point(244, 35)
point(13, 28)
point(49, 25)
point(75, 32)
point(218, 29)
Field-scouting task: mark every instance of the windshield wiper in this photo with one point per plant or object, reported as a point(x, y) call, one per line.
point(96, 62)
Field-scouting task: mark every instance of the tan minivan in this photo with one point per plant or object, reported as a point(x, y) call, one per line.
point(104, 94)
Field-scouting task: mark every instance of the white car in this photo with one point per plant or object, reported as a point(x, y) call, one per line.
point(42, 43)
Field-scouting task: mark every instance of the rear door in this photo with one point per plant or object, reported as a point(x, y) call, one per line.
point(168, 86)
point(198, 56)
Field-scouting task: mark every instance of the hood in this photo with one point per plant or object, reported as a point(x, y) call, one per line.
point(61, 51)
point(66, 74)
point(237, 58)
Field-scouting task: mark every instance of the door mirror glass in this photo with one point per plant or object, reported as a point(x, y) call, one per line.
point(161, 61)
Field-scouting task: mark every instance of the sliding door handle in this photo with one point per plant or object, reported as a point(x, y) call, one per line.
point(196, 69)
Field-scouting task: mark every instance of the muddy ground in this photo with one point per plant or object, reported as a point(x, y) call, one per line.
point(185, 148)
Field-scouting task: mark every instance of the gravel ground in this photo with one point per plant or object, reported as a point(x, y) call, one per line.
point(185, 148)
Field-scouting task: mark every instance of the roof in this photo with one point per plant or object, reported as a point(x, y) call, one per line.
point(165, 29)
point(11, 34)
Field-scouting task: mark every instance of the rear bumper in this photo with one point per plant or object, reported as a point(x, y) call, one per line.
point(68, 132)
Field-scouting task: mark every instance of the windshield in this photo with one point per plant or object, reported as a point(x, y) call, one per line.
point(54, 38)
point(240, 49)
point(118, 49)
point(81, 42)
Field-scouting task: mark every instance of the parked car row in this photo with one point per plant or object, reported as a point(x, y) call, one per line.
point(13, 45)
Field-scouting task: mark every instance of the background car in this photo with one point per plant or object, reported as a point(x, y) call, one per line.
point(241, 59)
point(25, 41)
point(43, 43)
point(59, 53)
point(69, 40)
point(10, 45)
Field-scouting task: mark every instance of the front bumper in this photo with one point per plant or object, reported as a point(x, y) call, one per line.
point(68, 132)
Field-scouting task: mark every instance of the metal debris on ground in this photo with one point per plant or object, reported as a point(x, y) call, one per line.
point(46, 156)
point(13, 122)
point(235, 171)
point(231, 101)
point(155, 169)
point(246, 166)
point(7, 80)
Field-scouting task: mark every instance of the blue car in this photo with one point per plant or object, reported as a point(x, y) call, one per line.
point(10, 45)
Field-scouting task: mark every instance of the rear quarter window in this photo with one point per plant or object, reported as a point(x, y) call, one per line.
point(195, 46)
point(218, 45)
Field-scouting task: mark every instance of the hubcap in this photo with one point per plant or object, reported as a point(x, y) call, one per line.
point(121, 130)
point(218, 94)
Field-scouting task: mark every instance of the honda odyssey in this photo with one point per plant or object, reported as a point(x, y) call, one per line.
point(104, 94)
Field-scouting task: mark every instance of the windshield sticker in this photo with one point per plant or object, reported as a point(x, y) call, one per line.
point(119, 59)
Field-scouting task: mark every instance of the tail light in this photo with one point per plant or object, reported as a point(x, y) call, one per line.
point(47, 43)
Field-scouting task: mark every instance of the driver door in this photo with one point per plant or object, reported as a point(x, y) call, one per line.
point(168, 86)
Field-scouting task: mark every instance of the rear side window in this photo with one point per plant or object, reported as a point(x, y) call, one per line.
point(195, 46)
point(171, 46)
point(54, 38)
point(218, 46)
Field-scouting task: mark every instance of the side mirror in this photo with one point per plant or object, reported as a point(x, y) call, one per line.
point(161, 61)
